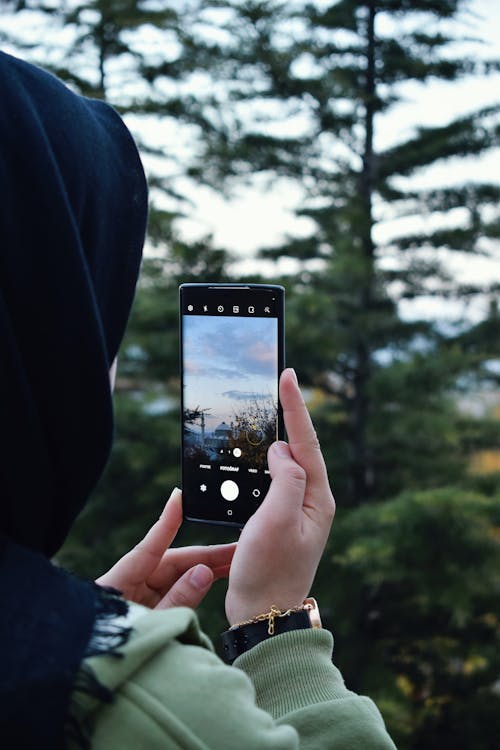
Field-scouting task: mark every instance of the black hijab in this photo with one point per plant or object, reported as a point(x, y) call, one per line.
point(72, 221)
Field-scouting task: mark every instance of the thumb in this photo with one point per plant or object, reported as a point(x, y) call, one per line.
point(189, 589)
point(286, 493)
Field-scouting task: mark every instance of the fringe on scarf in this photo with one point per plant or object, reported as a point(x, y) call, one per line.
point(108, 636)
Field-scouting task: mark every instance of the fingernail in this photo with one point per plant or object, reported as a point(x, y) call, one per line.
point(201, 577)
point(281, 448)
point(175, 493)
point(294, 374)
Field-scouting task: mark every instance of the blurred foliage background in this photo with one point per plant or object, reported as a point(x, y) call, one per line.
point(407, 407)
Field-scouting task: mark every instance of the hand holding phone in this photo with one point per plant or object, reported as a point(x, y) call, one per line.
point(157, 576)
point(280, 547)
point(232, 354)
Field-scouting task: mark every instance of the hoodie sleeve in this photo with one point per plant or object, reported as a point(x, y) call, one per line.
point(171, 691)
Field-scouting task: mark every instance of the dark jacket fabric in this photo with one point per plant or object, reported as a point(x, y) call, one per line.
point(73, 208)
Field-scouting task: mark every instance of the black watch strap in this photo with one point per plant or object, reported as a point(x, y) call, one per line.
point(236, 642)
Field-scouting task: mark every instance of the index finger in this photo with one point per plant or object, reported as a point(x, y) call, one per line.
point(137, 564)
point(161, 535)
point(302, 438)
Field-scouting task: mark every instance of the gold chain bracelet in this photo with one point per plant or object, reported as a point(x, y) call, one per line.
point(273, 613)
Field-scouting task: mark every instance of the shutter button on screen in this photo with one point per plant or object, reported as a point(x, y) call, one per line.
point(229, 490)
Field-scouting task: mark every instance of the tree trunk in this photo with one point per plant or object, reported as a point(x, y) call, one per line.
point(102, 50)
point(362, 466)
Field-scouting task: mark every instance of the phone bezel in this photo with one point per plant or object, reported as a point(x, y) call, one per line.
point(280, 310)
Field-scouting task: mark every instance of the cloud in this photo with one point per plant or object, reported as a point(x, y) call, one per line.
point(231, 348)
point(192, 367)
point(245, 395)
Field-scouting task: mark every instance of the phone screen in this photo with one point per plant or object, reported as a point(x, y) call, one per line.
point(232, 356)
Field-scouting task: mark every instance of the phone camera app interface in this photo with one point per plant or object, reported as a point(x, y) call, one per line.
point(230, 402)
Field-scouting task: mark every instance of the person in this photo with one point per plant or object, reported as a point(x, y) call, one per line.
point(81, 665)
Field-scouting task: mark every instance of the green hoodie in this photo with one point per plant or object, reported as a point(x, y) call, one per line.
point(172, 691)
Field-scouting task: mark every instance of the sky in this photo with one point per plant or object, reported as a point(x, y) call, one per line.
point(258, 215)
point(228, 361)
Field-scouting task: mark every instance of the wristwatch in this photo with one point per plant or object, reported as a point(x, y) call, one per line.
point(241, 638)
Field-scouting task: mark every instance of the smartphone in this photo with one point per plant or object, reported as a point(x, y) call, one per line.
point(232, 354)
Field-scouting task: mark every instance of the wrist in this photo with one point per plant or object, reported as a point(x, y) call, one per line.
point(240, 609)
point(244, 635)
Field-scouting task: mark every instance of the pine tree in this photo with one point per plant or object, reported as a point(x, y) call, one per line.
point(307, 86)
point(145, 60)
point(414, 615)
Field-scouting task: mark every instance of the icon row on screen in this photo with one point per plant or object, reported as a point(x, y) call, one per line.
point(236, 309)
point(229, 490)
